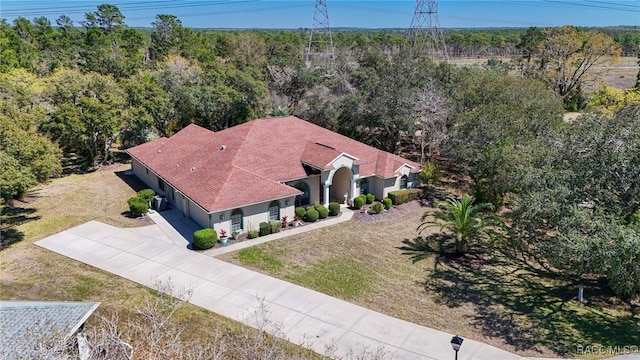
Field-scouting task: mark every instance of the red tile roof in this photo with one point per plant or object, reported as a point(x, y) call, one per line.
point(247, 163)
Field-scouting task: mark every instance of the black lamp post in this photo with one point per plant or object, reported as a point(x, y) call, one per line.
point(456, 342)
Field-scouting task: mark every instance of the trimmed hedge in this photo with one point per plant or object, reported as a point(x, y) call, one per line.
point(402, 196)
point(146, 194)
point(387, 203)
point(370, 198)
point(265, 228)
point(311, 215)
point(323, 212)
point(138, 206)
point(300, 211)
point(252, 234)
point(376, 208)
point(334, 209)
point(205, 238)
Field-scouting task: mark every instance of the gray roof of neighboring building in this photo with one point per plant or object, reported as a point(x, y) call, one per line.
point(20, 319)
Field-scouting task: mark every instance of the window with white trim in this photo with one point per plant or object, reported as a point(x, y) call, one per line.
point(236, 220)
point(403, 182)
point(274, 210)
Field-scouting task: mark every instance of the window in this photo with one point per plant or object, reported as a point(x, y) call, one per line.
point(302, 200)
point(161, 184)
point(236, 220)
point(364, 186)
point(403, 182)
point(274, 210)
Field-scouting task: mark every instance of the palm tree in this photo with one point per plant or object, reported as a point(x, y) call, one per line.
point(463, 218)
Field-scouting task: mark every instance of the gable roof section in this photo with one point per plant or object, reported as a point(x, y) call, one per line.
point(248, 163)
point(319, 156)
point(25, 323)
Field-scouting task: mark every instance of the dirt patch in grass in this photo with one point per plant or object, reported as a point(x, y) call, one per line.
point(485, 296)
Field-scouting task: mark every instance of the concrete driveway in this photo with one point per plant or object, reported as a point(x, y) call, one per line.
point(149, 254)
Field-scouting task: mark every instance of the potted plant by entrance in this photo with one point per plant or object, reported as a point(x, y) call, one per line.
point(234, 235)
point(223, 237)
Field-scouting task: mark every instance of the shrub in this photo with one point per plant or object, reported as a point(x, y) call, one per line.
point(430, 174)
point(370, 198)
point(146, 194)
point(311, 215)
point(413, 194)
point(252, 234)
point(300, 211)
point(265, 228)
point(276, 225)
point(334, 209)
point(376, 208)
point(205, 238)
point(323, 212)
point(138, 206)
point(402, 196)
point(358, 202)
point(387, 203)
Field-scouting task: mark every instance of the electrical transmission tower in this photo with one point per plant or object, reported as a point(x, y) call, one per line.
point(425, 33)
point(320, 49)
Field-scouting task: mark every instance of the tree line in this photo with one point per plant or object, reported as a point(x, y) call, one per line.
point(81, 90)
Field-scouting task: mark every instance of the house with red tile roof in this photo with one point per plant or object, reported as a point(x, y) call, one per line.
point(261, 170)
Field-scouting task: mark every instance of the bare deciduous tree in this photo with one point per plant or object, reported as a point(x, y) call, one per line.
point(431, 111)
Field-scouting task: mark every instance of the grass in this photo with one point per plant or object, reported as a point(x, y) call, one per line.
point(336, 276)
point(488, 296)
point(28, 272)
point(256, 257)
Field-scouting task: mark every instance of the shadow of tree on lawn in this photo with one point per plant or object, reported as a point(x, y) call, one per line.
point(10, 218)
point(530, 310)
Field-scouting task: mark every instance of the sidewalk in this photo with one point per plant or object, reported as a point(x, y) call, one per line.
point(306, 317)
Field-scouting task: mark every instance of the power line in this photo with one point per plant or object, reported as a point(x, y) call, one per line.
point(592, 6)
point(129, 6)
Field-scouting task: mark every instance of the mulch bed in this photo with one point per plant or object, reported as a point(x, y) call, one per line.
point(360, 215)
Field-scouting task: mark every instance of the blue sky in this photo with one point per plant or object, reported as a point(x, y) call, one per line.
point(342, 13)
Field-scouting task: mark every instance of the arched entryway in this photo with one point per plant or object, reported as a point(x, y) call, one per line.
point(341, 184)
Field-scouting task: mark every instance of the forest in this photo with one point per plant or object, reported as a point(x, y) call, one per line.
point(569, 189)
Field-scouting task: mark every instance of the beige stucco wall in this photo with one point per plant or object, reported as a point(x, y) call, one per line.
point(314, 187)
point(389, 185)
point(376, 187)
point(341, 184)
point(148, 177)
point(253, 215)
point(198, 214)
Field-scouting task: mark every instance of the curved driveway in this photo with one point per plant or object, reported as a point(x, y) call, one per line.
point(148, 254)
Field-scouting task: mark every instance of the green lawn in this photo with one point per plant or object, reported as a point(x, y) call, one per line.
point(487, 296)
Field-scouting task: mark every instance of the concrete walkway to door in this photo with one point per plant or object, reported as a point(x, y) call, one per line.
point(306, 317)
